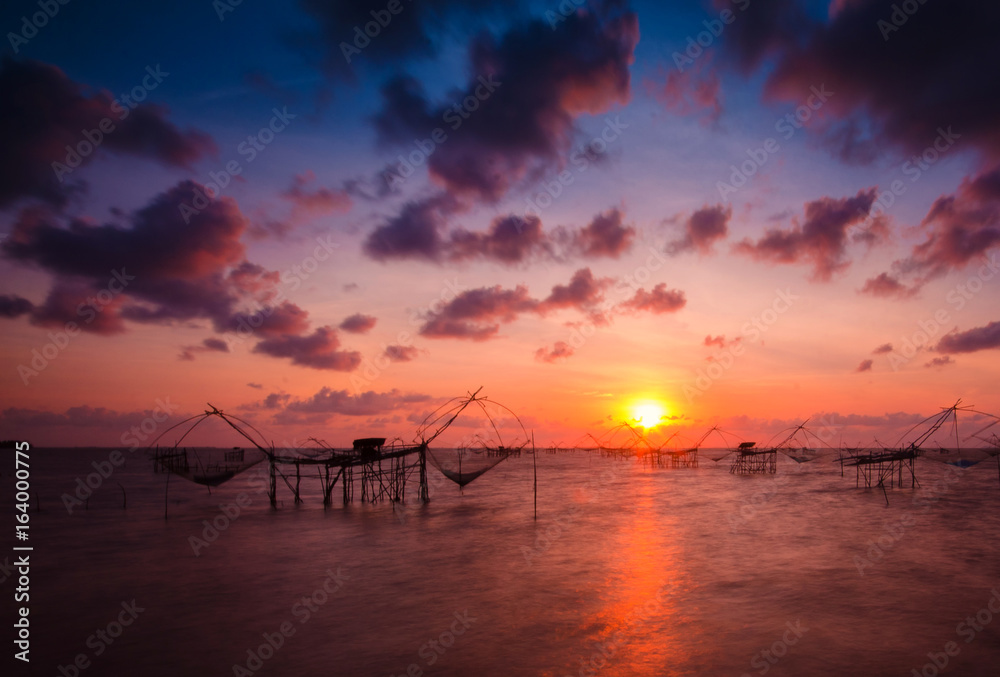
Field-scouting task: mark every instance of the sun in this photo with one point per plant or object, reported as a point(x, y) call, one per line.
point(648, 414)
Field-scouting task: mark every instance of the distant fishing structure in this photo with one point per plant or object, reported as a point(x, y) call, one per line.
point(382, 469)
point(880, 466)
point(753, 460)
point(889, 466)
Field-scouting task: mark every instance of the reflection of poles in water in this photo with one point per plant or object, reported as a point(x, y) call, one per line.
point(534, 465)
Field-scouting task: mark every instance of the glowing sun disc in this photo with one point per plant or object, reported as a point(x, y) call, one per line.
point(648, 414)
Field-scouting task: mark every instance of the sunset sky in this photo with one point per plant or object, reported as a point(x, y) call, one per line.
point(736, 212)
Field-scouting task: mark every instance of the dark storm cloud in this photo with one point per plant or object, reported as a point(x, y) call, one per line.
point(329, 401)
point(660, 300)
point(42, 111)
point(961, 231)
point(604, 236)
point(159, 241)
point(584, 292)
point(821, 239)
point(410, 32)
point(972, 340)
point(12, 306)
point(71, 300)
point(398, 353)
point(702, 229)
point(886, 286)
point(358, 323)
point(509, 240)
point(895, 83)
point(477, 314)
point(164, 269)
point(939, 362)
point(209, 345)
point(420, 231)
point(515, 119)
point(414, 232)
point(319, 350)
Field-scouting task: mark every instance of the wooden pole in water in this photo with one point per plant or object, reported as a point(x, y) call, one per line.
point(166, 494)
point(534, 465)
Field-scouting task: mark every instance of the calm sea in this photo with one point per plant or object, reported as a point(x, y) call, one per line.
point(628, 570)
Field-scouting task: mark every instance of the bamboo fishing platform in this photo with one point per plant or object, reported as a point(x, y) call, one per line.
point(749, 460)
point(381, 469)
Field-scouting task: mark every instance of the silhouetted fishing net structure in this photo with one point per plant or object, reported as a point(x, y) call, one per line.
point(940, 439)
point(210, 466)
point(499, 436)
point(716, 454)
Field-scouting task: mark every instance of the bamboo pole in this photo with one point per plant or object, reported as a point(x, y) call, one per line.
point(534, 465)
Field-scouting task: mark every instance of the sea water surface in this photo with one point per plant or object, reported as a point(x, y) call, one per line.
point(627, 570)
